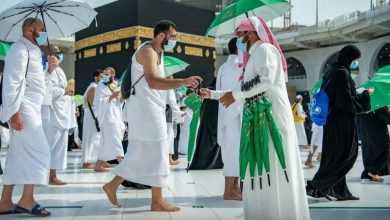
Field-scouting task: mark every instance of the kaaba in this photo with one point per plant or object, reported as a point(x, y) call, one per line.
point(121, 26)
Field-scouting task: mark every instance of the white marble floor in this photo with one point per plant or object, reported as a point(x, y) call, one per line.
point(198, 193)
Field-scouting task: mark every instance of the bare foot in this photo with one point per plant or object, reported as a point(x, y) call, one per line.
point(105, 164)
point(232, 196)
point(88, 166)
point(309, 164)
point(163, 206)
point(5, 206)
point(174, 162)
point(319, 157)
point(111, 195)
point(375, 178)
point(56, 182)
point(101, 169)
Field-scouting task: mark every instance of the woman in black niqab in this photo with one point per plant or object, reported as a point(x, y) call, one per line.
point(340, 147)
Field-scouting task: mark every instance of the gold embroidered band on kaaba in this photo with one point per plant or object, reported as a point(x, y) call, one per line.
point(144, 32)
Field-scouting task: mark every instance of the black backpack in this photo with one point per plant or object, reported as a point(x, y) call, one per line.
point(127, 88)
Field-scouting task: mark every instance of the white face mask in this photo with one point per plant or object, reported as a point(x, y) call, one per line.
point(170, 45)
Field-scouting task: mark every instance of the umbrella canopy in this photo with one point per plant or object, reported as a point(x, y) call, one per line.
point(4, 47)
point(385, 69)
point(79, 99)
point(229, 18)
point(381, 96)
point(62, 18)
point(173, 65)
point(194, 102)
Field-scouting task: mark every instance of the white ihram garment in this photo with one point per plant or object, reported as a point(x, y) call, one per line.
point(28, 157)
point(176, 118)
point(91, 137)
point(282, 200)
point(56, 118)
point(185, 131)
point(147, 160)
point(109, 114)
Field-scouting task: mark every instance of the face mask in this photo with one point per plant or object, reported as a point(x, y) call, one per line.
point(41, 39)
point(60, 57)
point(105, 78)
point(241, 46)
point(170, 45)
point(355, 65)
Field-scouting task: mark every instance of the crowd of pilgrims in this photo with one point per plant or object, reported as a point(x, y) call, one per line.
point(142, 143)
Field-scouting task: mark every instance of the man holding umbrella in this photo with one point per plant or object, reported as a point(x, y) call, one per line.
point(23, 89)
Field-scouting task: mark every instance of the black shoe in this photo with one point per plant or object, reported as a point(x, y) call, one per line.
point(348, 198)
point(129, 184)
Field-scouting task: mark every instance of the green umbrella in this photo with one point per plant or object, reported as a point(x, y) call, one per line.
point(258, 129)
point(385, 69)
point(79, 99)
point(173, 65)
point(4, 47)
point(226, 22)
point(194, 102)
point(381, 96)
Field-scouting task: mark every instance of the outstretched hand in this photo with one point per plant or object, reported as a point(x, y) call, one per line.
point(227, 99)
point(193, 81)
point(205, 93)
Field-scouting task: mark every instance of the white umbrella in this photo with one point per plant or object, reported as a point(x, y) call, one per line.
point(6, 4)
point(62, 18)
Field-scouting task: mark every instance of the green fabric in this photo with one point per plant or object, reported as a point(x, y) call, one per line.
point(173, 65)
point(4, 48)
point(246, 133)
point(194, 102)
point(79, 99)
point(258, 129)
point(381, 86)
point(231, 15)
point(385, 69)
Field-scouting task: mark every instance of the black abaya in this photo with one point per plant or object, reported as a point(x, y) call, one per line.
point(375, 142)
point(340, 147)
point(207, 154)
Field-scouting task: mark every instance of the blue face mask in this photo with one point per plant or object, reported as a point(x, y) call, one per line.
point(60, 57)
point(42, 39)
point(241, 46)
point(170, 45)
point(105, 78)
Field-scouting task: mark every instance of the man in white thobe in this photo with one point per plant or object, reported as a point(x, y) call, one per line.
point(266, 73)
point(91, 135)
point(229, 122)
point(55, 119)
point(28, 158)
point(108, 107)
point(147, 159)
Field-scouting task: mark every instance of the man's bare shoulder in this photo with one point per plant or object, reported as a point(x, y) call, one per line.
point(146, 54)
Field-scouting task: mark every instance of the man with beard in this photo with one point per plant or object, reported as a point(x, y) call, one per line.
point(147, 160)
